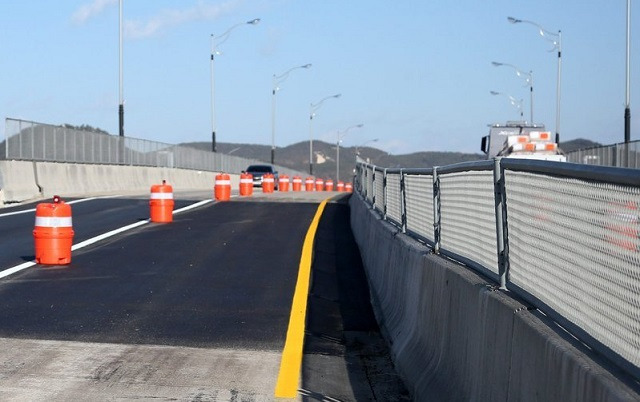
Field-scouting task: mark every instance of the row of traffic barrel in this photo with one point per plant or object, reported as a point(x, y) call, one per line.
point(53, 230)
point(223, 185)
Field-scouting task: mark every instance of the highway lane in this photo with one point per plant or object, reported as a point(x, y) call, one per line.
point(195, 310)
point(91, 217)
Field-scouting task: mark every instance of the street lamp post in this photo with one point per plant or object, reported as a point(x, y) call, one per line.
point(277, 79)
point(557, 45)
point(627, 110)
point(217, 41)
point(121, 104)
point(363, 144)
point(340, 137)
point(528, 78)
point(512, 100)
point(312, 110)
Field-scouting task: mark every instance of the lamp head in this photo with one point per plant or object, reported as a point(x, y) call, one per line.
point(496, 64)
point(337, 95)
point(513, 20)
point(254, 21)
point(306, 66)
point(494, 93)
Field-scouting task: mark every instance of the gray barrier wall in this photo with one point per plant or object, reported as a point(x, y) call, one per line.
point(454, 336)
point(22, 180)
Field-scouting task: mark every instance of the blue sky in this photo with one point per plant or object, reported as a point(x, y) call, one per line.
point(417, 74)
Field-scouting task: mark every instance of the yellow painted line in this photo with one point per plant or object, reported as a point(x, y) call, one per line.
point(289, 375)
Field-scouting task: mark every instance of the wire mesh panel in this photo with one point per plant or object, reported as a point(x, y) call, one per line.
point(418, 191)
point(379, 190)
point(574, 245)
point(394, 200)
point(467, 213)
point(369, 184)
point(27, 140)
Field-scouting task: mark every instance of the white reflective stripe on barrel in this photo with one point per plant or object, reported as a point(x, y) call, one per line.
point(162, 196)
point(267, 179)
point(53, 221)
point(297, 181)
point(285, 180)
point(246, 181)
point(223, 182)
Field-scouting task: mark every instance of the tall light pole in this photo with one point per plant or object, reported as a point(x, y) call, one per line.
point(556, 40)
point(312, 110)
point(627, 108)
point(217, 41)
point(528, 78)
point(512, 100)
point(277, 79)
point(121, 101)
point(363, 144)
point(340, 137)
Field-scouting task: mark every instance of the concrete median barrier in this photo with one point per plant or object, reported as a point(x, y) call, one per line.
point(455, 336)
point(21, 181)
point(17, 181)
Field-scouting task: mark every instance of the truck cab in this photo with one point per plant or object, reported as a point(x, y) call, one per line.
point(517, 139)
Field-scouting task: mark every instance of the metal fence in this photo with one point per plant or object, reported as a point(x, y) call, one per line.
point(618, 155)
point(27, 140)
point(565, 237)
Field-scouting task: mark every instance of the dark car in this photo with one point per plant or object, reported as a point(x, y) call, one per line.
point(257, 171)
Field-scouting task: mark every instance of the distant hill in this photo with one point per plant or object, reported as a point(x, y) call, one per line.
point(296, 156)
point(579, 143)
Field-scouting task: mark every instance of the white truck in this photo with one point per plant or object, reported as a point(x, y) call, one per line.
point(517, 139)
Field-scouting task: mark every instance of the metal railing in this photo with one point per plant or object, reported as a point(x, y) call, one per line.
point(617, 155)
point(27, 140)
point(563, 236)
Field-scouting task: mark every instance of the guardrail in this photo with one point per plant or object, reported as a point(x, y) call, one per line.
point(617, 155)
point(563, 236)
point(27, 140)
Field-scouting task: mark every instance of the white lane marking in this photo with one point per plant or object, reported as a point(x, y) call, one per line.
point(96, 239)
point(70, 202)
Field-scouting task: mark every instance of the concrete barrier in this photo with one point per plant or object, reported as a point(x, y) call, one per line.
point(17, 181)
point(21, 181)
point(455, 336)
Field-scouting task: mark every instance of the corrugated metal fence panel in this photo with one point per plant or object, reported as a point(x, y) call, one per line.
point(419, 204)
point(574, 245)
point(394, 200)
point(468, 221)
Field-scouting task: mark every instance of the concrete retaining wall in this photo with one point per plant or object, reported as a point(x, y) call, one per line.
point(21, 181)
point(453, 336)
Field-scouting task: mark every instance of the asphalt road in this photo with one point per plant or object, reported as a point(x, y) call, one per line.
point(196, 309)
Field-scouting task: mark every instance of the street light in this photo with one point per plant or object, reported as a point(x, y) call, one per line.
point(217, 41)
point(363, 144)
point(514, 101)
point(121, 104)
point(312, 110)
point(557, 45)
point(340, 137)
point(627, 110)
point(277, 79)
point(528, 78)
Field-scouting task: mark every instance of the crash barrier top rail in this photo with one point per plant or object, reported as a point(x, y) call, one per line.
point(617, 155)
point(27, 140)
point(563, 236)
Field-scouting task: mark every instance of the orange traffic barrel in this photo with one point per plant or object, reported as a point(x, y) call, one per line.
point(223, 187)
point(283, 183)
point(328, 185)
point(348, 187)
point(53, 232)
point(319, 184)
point(246, 184)
point(161, 203)
point(268, 183)
point(308, 184)
point(297, 183)
point(340, 186)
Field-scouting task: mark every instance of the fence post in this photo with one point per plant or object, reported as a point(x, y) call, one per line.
point(502, 238)
point(384, 194)
point(436, 211)
point(403, 203)
point(373, 187)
